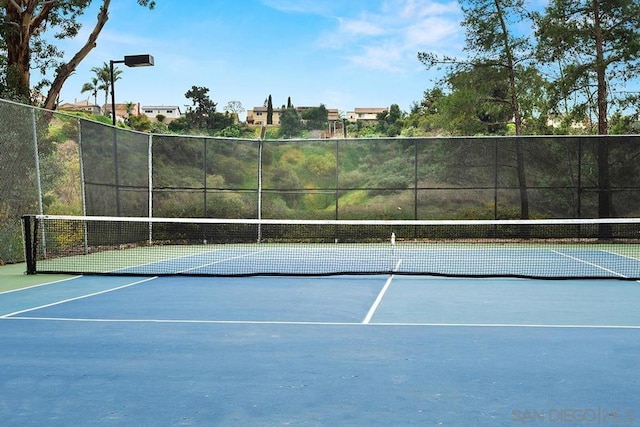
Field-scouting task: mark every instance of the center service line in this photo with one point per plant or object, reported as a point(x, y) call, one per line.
point(378, 300)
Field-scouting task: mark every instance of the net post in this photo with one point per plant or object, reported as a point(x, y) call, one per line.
point(85, 237)
point(29, 225)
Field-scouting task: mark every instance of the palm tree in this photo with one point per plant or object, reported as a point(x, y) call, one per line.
point(93, 88)
point(103, 75)
point(130, 107)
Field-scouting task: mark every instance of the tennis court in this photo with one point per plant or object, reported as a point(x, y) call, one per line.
point(338, 350)
point(245, 322)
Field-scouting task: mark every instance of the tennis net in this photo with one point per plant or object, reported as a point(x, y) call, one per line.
point(553, 249)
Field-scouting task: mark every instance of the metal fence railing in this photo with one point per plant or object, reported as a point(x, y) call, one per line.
point(54, 163)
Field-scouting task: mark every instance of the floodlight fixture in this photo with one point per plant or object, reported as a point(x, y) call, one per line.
point(130, 61)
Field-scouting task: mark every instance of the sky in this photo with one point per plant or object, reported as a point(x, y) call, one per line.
point(340, 53)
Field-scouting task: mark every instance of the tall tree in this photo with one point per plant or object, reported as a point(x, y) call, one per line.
point(492, 44)
point(129, 107)
point(92, 87)
point(316, 117)
point(424, 115)
point(472, 107)
point(390, 121)
point(269, 111)
point(103, 75)
point(597, 44)
point(202, 112)
point(23, 25)
point(234, 107)
point(290, 123)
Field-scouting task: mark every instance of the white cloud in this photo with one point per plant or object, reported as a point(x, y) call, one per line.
point(359, 27)
point(298, 6)
point(386, 35)
point(390, 37)
point(410, 9)
point(430, 32)
point(386, 57)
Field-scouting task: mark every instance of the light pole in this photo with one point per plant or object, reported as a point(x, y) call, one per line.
point(129, 61)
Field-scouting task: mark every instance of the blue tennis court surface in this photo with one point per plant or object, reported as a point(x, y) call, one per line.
point(341, 350)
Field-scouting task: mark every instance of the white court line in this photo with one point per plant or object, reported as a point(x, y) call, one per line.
point(223, 260)
point(161, 262)
point(39, 285)
point(599, 267)
point(302, 323)
point(625, 257)
point(77, 298)
point(378, 300)
point(164, 260)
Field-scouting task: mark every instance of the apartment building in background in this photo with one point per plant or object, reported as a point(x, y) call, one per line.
point(258, 115)
point(170, 112)
point(365, 114)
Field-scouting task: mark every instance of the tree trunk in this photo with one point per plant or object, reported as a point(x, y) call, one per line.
point(604, 193)
point(65, 70)
point(17, 40)
point(517, 118)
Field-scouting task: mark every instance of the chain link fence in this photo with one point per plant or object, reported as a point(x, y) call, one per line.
point(39, 170)
point(54, 163)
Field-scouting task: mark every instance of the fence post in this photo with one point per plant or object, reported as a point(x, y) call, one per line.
point(415, 178)
point(495, 178)
point(116, 171)
point(579, 210)
point(259, 213)
point(337, 176)
point(37, 159)
point(204, 176)
point(150, 177)
point(150, 183)
point(83, 188)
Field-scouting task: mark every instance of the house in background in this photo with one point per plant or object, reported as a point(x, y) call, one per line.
point(258, 115)
point(123, 110)
point(83, 106)
point(365, 114)
point(334, 115)
point(170, 112)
